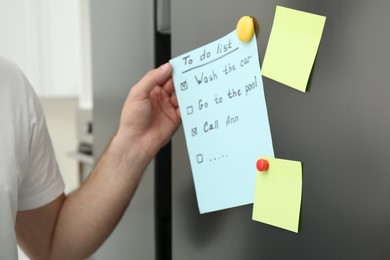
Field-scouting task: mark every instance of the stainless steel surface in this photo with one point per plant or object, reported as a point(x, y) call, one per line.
point(163, 16)
point(122, 52)
point(339, 129)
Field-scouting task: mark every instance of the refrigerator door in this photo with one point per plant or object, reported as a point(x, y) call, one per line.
point(122, 52)
point(338, 129)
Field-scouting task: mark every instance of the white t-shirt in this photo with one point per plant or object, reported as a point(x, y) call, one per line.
point(29, 175)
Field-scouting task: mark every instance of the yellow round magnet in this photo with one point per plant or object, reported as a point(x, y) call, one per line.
point(245, 28)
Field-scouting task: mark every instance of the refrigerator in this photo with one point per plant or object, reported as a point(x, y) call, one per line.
point(339, 129)
point(129, 38)
point(122, 44)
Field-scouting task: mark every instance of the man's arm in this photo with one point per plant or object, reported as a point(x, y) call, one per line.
point(73, 227)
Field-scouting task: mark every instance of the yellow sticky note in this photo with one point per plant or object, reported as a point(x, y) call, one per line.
point(292, 47)
point(278, 194)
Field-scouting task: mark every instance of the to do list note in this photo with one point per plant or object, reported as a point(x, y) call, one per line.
point(222, 104)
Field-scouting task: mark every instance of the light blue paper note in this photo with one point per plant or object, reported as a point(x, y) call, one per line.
point(225, 120)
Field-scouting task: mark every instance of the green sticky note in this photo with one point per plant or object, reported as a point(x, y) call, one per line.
point(292, 47)
point(278, 194)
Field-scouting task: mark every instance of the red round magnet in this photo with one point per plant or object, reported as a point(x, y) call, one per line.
point(262, 165)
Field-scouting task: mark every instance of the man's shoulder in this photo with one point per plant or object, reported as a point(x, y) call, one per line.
point(12, 80)
point(7, 66)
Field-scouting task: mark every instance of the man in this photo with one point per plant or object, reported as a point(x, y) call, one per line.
point(33, 208)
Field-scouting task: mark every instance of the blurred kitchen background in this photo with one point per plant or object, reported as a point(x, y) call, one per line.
point(82, 57)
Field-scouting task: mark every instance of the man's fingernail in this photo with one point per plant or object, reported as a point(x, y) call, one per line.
point(164, 66)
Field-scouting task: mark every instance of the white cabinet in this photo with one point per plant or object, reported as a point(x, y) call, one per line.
point(49, 40)
point(19, 36)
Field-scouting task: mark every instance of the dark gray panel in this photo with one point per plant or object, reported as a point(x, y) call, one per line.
point(339, 129)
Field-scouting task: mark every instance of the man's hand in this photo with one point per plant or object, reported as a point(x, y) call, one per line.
point(150, 114)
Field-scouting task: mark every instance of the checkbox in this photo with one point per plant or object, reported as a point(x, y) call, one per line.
point(184, 85)
point(190, 110)
point(199, 158)
point(194, 131)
